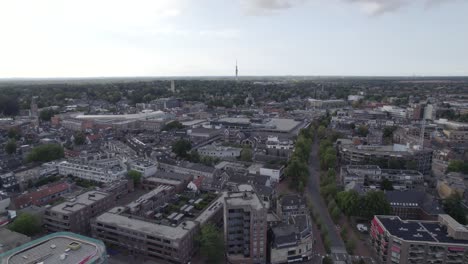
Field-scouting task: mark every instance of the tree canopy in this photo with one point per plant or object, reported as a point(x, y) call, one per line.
point(211, 244)
point(181, 148)
point(135, 176)
point(453, 207)
point(26, 224)
point(348, 202)
point(327, 260)
point(372, 203)
point(14, 133)
point(246, 154)
point(10, 147)
point(174, 125)
point(362, 131)
point(79, 138)
point(386, 185)
point(47, 114)
point(9, 105)
point(458, 166)
point(45, 153)
point(297, 171)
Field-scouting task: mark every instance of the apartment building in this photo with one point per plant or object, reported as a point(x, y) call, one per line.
point(415, 205)
point(184, 167)
point(275, 171)
point(147, 168)
point(372, 176)
point(245, 228)
point(292, 242)
point(42, 196)
point(413, 241)
point(177, 180)
point(279, 147)
point(104, 173)
point(141, 227)
point(389, 156)
point(291, 205)
point(74, 215)
point(456, 132)
point(274, 142)
point(120, 148)
point(219, 151)
point(326, 104)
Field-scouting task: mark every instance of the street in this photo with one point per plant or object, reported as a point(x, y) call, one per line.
point(313, 192)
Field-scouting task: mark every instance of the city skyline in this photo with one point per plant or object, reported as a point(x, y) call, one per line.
point(52, 39)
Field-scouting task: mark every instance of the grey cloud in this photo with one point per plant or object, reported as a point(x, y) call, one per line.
point(259, 7)
point(376, 7)
point(372, 7)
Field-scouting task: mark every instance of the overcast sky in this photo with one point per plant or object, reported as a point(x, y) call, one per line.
point(97, 38)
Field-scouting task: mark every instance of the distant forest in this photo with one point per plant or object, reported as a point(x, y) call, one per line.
point(16, 95)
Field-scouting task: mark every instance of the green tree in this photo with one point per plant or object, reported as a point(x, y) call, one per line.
point(362, 131)
point(324, 145)
point(321, 131)
point(350, 246)
point(335, 213)
point(10, 147)
point(135, 176)
point(458, 166)
point(388, 132)
point(174, 125)
point(453, 207)
point(45, 153)
point(348, 202)
point(374, 203)
point(327, 260)
point(79, 138)
point(307, 133)
point(181, 148)
point(386, 185)
point(328, 161)
point(329, 190)
point(302, 148)
point(297, 171)
point(26, 224)
point(211, 244)
point(46, 115)
point(14, 133)
point(246, 154)
point(194, 156)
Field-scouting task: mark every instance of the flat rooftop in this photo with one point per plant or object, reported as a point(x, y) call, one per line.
point(414, 230)
point(79, 202)
point(117, 216)
point(142, 115)
point(235, 120)
point(162, 181)
point(52, 248)
point(394, 150)
point(283, 124)
point(193, 122)
point(244, 199)
point(147, 227)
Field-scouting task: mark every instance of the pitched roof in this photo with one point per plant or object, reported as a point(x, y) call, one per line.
point(45, 191)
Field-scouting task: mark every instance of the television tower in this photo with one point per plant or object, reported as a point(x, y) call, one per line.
point(237, 72)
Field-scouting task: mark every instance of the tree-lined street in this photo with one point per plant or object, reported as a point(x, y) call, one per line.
point(313, 192)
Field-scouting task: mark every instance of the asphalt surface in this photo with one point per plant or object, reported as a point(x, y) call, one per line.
point(313, 191)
